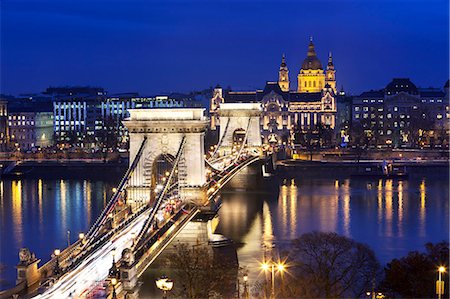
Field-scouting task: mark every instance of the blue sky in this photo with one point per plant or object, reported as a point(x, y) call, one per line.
point(156, 47)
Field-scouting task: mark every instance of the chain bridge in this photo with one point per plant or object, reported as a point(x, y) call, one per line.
point(170, 182)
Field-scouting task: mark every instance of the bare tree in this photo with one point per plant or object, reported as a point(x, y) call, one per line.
point(199, 275)
point(326, 265)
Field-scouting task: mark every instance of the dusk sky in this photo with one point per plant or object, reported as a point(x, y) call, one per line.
point(154, 47)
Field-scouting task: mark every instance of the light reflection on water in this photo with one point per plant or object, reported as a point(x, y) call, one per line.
point(392, 216)
point(37, 213)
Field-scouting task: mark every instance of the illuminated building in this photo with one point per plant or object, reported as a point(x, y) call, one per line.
point(401, 115)
point(3, 125)
point(285, 112)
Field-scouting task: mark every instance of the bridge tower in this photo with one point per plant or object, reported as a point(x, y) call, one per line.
point(164, 130)
point(244, 117)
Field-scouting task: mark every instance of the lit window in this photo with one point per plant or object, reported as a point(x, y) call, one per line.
point(356, 115)
point(356, 108)
point(395, 108)
point(389, 115)
point(439, 116)
point(366, 108)
point(395, 124)
point(389, 132)
point(365, 115)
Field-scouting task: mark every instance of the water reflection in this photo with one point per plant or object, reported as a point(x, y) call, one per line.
point(37, 213)
point(391, 215)
point(423, 195)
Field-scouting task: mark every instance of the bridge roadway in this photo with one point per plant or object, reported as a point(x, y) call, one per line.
point(95, 267)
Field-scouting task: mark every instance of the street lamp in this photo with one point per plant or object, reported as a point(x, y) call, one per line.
point(271, 265)
point(440, 282)
point(113, 283)
point(113, 271)
point(245, 286)
point(81, 237)
point(164, 284)
point(57, 269)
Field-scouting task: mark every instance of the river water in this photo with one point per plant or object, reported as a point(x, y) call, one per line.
point(392, 216)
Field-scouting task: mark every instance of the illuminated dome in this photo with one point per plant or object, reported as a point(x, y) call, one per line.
point(311, 61)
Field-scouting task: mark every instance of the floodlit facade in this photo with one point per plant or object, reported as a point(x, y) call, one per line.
point(286, 111)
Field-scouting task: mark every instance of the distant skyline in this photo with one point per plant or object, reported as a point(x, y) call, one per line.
point(155, 47)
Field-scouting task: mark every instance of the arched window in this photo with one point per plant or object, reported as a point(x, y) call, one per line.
point(314, 83)
point(305, 84)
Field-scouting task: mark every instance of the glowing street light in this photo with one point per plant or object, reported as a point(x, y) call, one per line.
point(165, 284)
point(265, 266)
point(440, 282)
point(114, 190)
point(113, 283)
point(57, 268)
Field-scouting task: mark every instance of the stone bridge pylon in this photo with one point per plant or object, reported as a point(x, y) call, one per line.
point(164, 130)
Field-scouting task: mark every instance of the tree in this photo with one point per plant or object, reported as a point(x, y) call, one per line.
point(326, 265)
point(414, 275)
point(198, 274)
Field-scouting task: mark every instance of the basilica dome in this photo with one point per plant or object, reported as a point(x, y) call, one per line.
point(311, 61)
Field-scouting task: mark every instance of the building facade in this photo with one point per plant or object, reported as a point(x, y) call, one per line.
point(4, 136)
point(401, 115)
point(290, 114)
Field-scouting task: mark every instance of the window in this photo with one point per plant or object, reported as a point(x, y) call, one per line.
point(380, 109)
point(439, 116)
point(356, 115)
point(356, 108)
point(389, 115)
point(366, 108)
point(366, 115)
point(395, 108)
point(389, 132)
point(395, 124)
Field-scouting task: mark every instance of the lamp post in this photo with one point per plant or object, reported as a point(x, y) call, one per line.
point(440, 283)
point(81, 237)
point(266, 266)
point(113, 283)
point(245, 286)
point(164, 284)
point(113, 271)
point(57, 252)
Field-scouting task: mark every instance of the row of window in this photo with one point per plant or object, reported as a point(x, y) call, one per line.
point(21, 123)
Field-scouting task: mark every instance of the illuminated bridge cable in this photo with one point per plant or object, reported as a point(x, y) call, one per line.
point(110, 205)
point(160, 198)
point(220, 140)
point(243, 142)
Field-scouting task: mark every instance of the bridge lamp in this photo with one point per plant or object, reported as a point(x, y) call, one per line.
point(81, 237)
point(114, 190)
point(57, 252)
point(114, 282)
point(167, 173)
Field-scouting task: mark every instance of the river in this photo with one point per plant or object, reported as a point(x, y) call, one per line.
point(392, 216)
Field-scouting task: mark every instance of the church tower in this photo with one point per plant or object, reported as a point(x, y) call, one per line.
point(330, 76)
point(283, 75)
point(311, 77)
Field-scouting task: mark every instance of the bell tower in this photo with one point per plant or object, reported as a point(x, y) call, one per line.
point(330, 76)
point(283, 75)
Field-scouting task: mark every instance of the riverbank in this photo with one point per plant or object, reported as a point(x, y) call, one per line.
point(63, 168)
